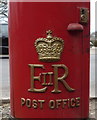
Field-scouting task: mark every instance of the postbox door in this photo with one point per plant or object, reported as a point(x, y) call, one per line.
point(49, 60)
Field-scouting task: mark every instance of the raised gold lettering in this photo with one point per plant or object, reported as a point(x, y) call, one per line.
point(61, 79)
point(68, 103)
point(41, 103)
point(28, 103)
point(32, 89)
point(34, 104)
point(77, 101)
point(44, 74)
point(52, 104)
point(23, 101)
point(64, 103)
point(73, 102)
point(58, 102)
point(50, 76)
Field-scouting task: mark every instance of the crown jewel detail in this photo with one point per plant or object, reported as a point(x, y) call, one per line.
point(49, 48)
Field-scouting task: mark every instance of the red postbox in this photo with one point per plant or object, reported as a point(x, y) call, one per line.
point(49, 59)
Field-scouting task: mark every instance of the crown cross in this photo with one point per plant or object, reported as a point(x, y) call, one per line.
point(49, 34)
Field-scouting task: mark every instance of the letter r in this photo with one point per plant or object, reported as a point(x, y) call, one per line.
point(61, 79)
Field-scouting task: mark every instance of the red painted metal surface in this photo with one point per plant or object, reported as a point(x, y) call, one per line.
point(29, 21)
point(75, 27)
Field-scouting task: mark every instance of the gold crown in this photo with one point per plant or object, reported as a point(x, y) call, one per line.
point(49, 48)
